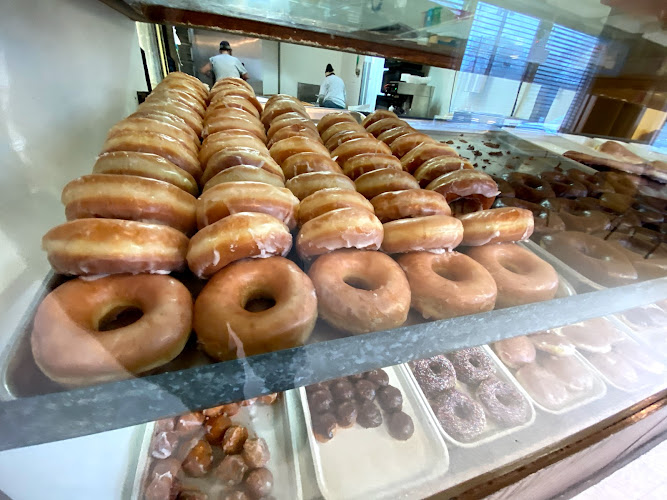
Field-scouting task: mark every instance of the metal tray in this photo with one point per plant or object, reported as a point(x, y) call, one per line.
point(492, 431)
point(270, 422)
point(368, 463)
point(498, 152)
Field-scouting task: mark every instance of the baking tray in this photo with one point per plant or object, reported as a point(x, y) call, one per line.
point(499, 152)
point(368, 463)
point(270, 422)
point(492, 430)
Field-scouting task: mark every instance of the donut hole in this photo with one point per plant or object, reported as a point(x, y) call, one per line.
point(450, 273)
point(119, 317)
point(513, 267)
point(259, 301)
point(505, 398)
point(358, 283)
point(461, 411)
point(474, 362)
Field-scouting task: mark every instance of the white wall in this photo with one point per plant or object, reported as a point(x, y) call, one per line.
point(442, 81)
point(68, 71)
point(270, 56)
point(301, 64)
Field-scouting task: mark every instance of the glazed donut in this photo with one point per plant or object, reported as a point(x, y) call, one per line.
point(472, 365)
point(302, 163)
point(383, 180)
point(356, 147)
point(226, 199)
point(350, 227)
point(529, 187)
point(515, 352)
point(448, 285)
point(404, 144)
point(360, 164)
point(376, 116)
point(434, 375)
point(234, 119)
point(591, 256)
point(229, 80)
point(430, 170)
point(431, 233)
point(332, 118)
point(232, 138)
point(159, 144)
point(466, 190)
point(394, 205)
point(503, 402)
point(326, 200)
point(291, 120)
point(231, 157)
point(306, 184)
point(543, 386)
point(249, 96)
point(497, 225)
point(88, 247)
point(384, 124)
point(564, 186)
point(294, 131)
point(342, 127)
point(243, 173)
point(545, 221)
point(521, 276)
point(71, 345)
point(389, 136)
point(232, 101)
point(180, 79)
point(148, 165)
point(226, 321)
point(359, 291)
point(460, 417)
point(588, 221)
point(190, 117)
point(505, 188)
point(343, 136)
point(274, 109)
point(236, 237)
point(189, 91)
point(140, 125)
point(165, 94)
point(417, 156)
point(168, 118)
point(129, 197)
point(282, 150)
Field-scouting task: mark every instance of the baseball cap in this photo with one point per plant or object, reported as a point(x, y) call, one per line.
point(224, 45)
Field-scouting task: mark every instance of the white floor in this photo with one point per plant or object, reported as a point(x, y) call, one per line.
point(644, 478)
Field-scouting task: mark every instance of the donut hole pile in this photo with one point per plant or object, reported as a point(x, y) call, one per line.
point(128, 227)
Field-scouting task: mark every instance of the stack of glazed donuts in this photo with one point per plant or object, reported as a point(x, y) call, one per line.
point(128, 227)
point(256, 300)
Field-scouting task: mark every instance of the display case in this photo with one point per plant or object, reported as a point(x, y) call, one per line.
point(456, 283)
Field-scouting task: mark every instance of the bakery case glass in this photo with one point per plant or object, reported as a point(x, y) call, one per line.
point(313, 249)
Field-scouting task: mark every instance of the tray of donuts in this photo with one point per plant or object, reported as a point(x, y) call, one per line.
point(648, 324)
point(380, 413)
point(239, 451)
point(472, 396)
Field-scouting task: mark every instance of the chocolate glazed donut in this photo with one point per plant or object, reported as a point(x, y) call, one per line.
point(529, 187)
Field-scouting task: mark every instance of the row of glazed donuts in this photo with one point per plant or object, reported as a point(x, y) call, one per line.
point(132, 215)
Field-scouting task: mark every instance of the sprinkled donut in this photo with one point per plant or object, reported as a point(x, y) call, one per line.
point(503, 402)
point(461, 417)
point(472, 365)
point(435, 375)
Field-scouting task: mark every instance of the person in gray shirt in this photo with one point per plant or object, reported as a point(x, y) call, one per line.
point(225, 65)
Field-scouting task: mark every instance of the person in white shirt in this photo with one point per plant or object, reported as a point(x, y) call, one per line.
point(225, 65)
point(332, 90)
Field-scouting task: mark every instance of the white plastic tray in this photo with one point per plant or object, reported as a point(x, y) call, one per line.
point(363, 463)
point(269, 422)
point(492, 431)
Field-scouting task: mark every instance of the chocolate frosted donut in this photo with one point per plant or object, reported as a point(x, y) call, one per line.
point(342, 390)
point(400, 426)
point(324, 426)
point(434, 375)
point(369, 415)
point(346, 414)
point(390, 399)
point(472, 365)
point(503, 402)
point(365, 390)
point(378, 377)
point(320, 401)
point(461, 417)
